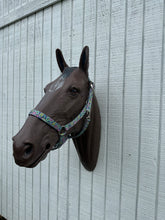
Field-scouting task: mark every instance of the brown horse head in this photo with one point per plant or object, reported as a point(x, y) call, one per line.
point(68, 109)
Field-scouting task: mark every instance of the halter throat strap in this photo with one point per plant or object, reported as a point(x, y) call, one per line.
point(63, 129)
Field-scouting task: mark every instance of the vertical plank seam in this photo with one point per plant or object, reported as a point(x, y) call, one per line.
point(1, 114)
point(160, 116)
point(6, 135)
point(51, 75)
point(2, 8)
point(13, 125)
point(11, 109)
point(95, 53)
point(41, 96)
point(80, 167)
point(6, 106)
point(49, 175)
point(7, 9)
point(58, 181)
point(68, 162)
point(58, 150)
point(13, 119)
point(19, 75)
point(8, 12)
point(140, 114)
point(7, 121)
point(26, 98)
point(107, 113)
point(123, 110)
point(2, 128)
point(51, 80)
point(34, 52)
point(14, 5)
point(17, 25)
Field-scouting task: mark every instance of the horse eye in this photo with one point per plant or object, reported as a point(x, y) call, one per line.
point(74, 91)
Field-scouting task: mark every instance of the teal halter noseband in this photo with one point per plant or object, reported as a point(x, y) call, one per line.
point(63, 129)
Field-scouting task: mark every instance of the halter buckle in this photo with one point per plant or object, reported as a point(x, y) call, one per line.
point(88, 116)
point(92, 85)
point(62, 131)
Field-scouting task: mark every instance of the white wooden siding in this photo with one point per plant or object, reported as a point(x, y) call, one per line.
point(126, 40)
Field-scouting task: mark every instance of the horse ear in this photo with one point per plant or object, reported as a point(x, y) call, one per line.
point(84, 59)
point(60, 60)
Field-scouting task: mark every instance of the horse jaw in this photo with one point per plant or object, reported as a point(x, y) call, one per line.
point(88, 144)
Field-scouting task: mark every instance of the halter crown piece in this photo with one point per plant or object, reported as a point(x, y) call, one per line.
point(62, 129)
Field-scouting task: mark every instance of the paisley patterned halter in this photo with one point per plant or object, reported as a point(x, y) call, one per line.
point(63, 129)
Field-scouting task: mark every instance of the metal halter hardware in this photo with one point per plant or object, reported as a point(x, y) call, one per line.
point(63, 129)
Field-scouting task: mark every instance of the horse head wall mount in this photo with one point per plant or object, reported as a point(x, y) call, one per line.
point(68, 109)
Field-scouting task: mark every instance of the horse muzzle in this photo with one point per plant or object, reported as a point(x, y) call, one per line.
point(28, 154)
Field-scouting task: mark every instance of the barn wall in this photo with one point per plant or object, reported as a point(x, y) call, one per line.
point(126, 40)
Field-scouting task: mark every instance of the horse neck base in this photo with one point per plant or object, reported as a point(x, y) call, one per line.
point(88, 144)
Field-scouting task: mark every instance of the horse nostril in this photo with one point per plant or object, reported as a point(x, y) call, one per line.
point(47, 146)
point(28, 150)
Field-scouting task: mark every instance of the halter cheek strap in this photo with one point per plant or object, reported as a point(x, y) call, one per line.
point(63, 130)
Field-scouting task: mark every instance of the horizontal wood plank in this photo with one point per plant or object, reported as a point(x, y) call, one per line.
point(24, 11)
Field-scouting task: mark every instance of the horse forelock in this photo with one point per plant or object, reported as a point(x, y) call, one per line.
point(68, 71)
